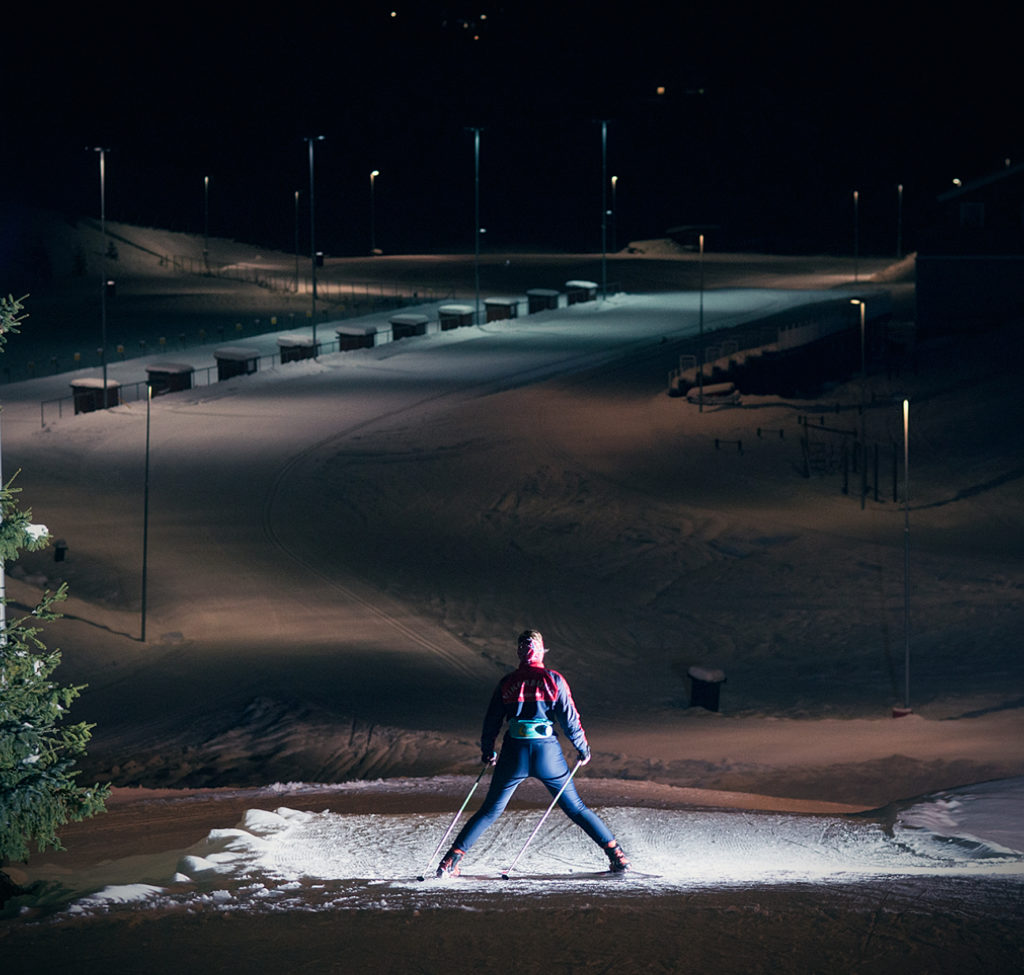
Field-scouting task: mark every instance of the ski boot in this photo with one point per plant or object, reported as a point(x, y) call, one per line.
point(449, 866)
point(617, 859)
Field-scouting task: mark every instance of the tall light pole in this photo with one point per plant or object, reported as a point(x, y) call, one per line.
point(615, 215)
point(312, 140)
point(145, 518)
point(899, 221)
point(856, 234)
point(373, 211)
point(700, 323)
point(103, 265)
point(906, 553)
point(476, 220)
point(296, 241)
point(206, 220)
point(863, 366)
point(604, 209)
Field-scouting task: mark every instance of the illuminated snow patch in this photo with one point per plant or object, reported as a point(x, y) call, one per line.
point(299, 860)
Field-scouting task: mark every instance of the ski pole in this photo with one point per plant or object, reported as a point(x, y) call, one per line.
point(437, 849)
point(536, 829)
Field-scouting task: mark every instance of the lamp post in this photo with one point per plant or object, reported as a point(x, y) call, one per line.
point(856, 234)
point(312, 140)
point(906, 556)
point(373, 211)
point(700, 323)
point(296, 241)
point(206, 221)
point(145, 518)
point(863, 366)
point(103, 262)
point(899, 221)
point(615, 215)
point(476, 221)
point(604, 209)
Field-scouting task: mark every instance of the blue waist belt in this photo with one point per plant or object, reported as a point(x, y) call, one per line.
point(530, 728)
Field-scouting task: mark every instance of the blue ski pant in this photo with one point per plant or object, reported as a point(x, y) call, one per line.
point(540, 759)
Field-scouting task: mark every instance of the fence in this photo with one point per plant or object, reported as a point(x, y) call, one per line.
point(838, 450)
point(282, 282)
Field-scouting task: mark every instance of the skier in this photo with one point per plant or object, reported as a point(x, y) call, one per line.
point(532, 698)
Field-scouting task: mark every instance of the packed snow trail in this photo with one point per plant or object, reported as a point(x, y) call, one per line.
point(294, 860)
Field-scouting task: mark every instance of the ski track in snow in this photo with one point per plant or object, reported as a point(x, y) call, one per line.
point(294, 860)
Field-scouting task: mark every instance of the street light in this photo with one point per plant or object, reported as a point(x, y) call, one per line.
point(615, 214)
point(899, 221)
point(476, 220)
point(856, 233)
point(296, 241)
point(312, 140)
point(906, 558)
point(206, 220)
point(604, 208)
point(373, 212)
point(145, 518)
point(863, 368)
point(103, 262)
point(700, 321)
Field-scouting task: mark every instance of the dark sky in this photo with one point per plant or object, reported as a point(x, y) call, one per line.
point(768, 121)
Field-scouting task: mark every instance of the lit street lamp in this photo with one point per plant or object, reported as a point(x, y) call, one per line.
point(476, 220)
point(700, 321)
point(296, 241)
point(145, 518)
point(373, 212)
point(312, 139)
point(906, 557)
point(856, 233)
point(604, 209)
point(615, 215)
point(103, 262)
point(863, 367)
point(899, 222)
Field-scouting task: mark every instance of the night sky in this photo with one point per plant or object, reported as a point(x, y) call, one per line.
point(752, 119)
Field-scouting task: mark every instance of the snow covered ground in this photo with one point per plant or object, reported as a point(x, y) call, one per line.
point(340, 553)
point(298, 859)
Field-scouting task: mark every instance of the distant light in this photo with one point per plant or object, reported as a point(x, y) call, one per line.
point(661, 90)
point(957, 182)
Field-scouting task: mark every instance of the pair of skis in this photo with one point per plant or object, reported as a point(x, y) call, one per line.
point(505, 873)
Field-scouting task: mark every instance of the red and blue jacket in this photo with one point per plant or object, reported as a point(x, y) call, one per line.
point(533, 692)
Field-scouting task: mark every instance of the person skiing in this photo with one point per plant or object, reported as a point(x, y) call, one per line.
point(532, 698)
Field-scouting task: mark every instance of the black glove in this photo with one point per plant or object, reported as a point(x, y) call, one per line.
point(489, 758)
point(584, 756)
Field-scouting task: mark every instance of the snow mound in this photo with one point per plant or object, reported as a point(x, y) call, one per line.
point(986, 820)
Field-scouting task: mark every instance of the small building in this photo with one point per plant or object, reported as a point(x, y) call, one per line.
point(236, 360)
point(407, 324)
point(455, 316)
point(580, 291)
point(95, 393)
point(542, 299)
point(356, 337)
point(169, 377)
point(499, 309)
point(292, 348)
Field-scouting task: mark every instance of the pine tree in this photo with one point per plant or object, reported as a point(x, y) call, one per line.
point(38, 794)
